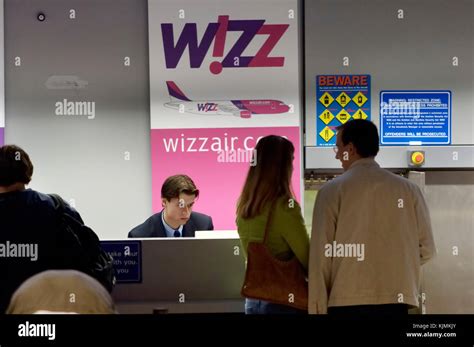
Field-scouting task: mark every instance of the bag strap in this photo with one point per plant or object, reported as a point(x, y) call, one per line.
point(59, 203)
point(267, 224)
point(63, 216)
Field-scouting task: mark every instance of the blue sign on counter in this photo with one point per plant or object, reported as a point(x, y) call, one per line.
point(127, 260)
point(415, 117)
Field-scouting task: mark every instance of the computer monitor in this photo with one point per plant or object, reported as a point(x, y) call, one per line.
point(216, 234)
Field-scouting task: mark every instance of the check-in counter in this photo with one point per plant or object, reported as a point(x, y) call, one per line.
point(178, 275)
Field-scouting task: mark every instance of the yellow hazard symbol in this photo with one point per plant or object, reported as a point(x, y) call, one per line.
point(359, 99)
point(343, 99)
point(326, 99)
point(326, 134)
point(326, 117)
point(360, 115)
point(343, 116)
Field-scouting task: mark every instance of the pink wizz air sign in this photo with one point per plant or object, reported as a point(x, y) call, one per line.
point(221, 78)
point(2, 79)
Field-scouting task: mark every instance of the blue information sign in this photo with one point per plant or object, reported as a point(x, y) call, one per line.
point(339, 98)
point(415, 117)
point(127, 260)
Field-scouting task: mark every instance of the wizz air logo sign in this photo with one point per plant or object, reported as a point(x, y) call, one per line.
point(207, 107)
point(217, 32)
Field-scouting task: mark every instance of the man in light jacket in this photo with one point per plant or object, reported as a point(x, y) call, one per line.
point(371, 233)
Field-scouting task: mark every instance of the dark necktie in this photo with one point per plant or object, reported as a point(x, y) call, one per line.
point(177, 233)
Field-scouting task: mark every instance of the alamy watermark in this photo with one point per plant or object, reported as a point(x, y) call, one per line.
point(28, 329)
point(238, 156)
point(400, 107)
point(19, 250)
point(75, 108)
point(345, 250)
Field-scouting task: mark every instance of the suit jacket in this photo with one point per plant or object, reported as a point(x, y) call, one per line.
point(153, 226)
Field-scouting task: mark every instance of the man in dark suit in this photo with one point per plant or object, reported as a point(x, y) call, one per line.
point(178, 195)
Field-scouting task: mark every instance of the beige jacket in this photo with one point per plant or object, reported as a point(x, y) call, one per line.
point(371, 233)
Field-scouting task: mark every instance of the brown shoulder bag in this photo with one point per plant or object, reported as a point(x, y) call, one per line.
point(274, 280)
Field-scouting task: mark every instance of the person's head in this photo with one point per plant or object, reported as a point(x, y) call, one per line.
point(270, 178)
point(16, 168)
point(356, 139)
point(61, 291)
point(178, 194)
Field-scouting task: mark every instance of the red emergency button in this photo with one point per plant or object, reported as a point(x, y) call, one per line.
point(417, 158)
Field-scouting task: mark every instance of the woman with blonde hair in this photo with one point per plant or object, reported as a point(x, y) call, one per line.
point(268, 187)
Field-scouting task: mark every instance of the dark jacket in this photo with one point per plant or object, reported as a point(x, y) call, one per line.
point(153, 226)
point(27, 221)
